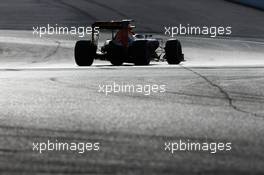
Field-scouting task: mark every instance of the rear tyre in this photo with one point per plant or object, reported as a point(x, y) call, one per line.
point(84, 53)
point(173, 52)
point(141, 52)
point(116, 54)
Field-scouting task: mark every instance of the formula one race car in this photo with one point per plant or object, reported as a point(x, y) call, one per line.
point(125, 46)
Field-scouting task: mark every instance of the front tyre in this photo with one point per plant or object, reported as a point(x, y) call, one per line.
point(173, 52)
point(141, 52)
point(84, 53)
point(116, 54)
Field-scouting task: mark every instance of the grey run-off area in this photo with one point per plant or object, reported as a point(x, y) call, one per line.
point(217, 95)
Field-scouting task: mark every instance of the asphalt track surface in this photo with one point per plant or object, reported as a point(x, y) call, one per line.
point(217, 95)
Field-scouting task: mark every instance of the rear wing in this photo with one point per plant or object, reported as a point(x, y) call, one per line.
point(112, 25)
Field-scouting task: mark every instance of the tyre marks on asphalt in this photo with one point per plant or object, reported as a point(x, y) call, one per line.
point(118, 12)
point(120, 152)
point(104, 6)
point(54, 51)
point(235, 96)
point(95, 89)
point(121, 14)
point(76, 9)
point(181, 99)
point(72, 85)
point(224, 92)
point(50, 54)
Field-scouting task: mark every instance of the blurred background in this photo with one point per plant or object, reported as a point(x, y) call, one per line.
point(151, 16)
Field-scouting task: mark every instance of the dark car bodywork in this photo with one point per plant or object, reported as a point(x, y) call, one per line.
point(140, 51)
